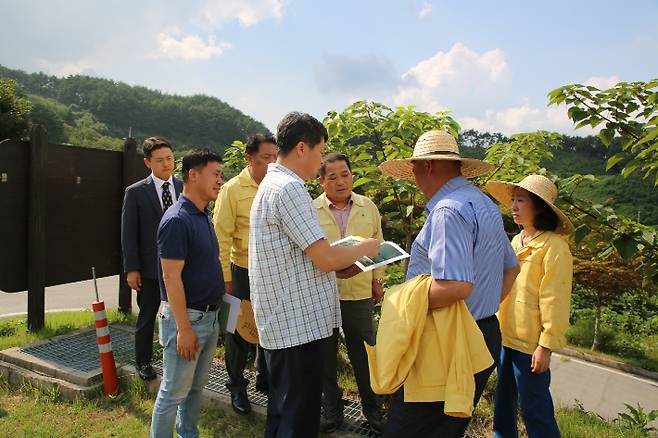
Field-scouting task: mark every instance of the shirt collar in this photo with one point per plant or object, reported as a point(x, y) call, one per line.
point(449, 187)
point(245, 178)
point(189, 206)
point(278, 167)
point(332, 205)
point(159, 181)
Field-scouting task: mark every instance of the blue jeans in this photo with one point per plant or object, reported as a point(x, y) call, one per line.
point(179, 397)
point(516, 381)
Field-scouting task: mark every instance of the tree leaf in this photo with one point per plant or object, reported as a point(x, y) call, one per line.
point(626, 246)
point(580, 233)
point(606, 136)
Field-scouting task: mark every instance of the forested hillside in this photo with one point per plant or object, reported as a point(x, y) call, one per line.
point(83, 103)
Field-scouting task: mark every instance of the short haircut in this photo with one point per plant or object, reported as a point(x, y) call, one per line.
point(254, 142)
point(197, 159)
point(296, 127)
point(332, 157)
point(153, 144)
point(545, 218)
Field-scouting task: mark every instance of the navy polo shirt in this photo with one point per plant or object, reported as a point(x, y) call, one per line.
point(186, 233)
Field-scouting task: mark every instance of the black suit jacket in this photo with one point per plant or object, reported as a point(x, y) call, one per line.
point(140, 217)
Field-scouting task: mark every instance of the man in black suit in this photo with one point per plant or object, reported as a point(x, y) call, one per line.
point(143, 205)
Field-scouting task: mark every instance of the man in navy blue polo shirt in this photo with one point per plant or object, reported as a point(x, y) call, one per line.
point(191, 286)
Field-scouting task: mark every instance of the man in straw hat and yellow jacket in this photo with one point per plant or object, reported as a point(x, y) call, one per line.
point(463, 246)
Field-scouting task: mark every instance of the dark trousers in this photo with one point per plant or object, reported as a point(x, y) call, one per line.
point(516, 381)
point(148, 300)
point(357, 327)
point(295, 380)
point(236, 349)
point(420, 420)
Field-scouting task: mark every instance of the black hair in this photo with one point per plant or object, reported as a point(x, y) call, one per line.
point(296, 127)
point(254, 142)
point(198, 158)
point(153, 144)
point(332, 157)
point(545, 218)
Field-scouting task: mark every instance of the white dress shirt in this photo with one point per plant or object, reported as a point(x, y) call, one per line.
point(158, 188)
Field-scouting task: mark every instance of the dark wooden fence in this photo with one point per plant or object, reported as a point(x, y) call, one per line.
point(60, 212)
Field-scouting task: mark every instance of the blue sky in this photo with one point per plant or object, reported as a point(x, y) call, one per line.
point(490, 63)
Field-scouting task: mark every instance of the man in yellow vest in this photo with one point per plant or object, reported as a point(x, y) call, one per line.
point(231, 218)
point(342, 213)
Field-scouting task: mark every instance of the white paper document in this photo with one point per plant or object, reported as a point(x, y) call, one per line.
point(389, 253)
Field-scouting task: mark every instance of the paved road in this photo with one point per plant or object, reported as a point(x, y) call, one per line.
point(77, 296)
point(598, 388)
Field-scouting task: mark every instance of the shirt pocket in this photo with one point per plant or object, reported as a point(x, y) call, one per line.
point(361, 225)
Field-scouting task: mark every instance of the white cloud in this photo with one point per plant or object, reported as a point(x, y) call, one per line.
point(603, 82)
point(189, 47)
point(526, 118)
point(460, 79)
point(83, 66)
point(247, 12)
point(424, 11)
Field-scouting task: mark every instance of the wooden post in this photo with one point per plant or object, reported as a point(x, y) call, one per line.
point(129, 155)
point(36, 230)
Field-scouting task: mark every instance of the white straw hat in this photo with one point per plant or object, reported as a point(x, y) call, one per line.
point(435, 145)
point(540, 186)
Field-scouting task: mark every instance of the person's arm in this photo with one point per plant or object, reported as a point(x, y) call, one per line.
point(130, 240)
point(445, 292)
point(172, 248)
point(300, 223)
point(224, 219)
point(554, 301)
point(329, 258)
point(187, 341)
point(509, 276)
point(510, 266)
point(451, 258)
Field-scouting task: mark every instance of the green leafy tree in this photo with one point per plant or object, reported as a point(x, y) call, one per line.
point(14, 111)
point(629, 110)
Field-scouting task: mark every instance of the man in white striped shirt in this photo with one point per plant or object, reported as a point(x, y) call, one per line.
point(292, 279)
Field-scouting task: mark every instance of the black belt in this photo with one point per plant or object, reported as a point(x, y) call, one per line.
point(204, 307)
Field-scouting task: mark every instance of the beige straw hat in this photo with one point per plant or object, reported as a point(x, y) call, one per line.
point(435, 145)
point(540, 186)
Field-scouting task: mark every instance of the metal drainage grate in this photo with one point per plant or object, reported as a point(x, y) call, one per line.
point(80, 350)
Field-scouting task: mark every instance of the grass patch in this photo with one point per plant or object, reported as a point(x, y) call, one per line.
point(14, 333)
point(28, 411)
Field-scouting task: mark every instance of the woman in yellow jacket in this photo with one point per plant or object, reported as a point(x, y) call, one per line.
point(534, 316)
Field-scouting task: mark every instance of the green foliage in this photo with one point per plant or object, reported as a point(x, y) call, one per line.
point(522, 155)
point(635, 419)
point(188, 122)
point(14, 111)
point(370, 133)
point(629, 109)
point(234, 159)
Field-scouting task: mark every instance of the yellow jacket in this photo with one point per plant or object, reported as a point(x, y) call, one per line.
point(231, 218)
point(536, 311)
point(434, 354)
point(364, 220)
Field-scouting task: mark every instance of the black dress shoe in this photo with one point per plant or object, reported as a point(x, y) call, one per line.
point(240, 402)
point(375, 421)
point(329, 424)
point(146, 372)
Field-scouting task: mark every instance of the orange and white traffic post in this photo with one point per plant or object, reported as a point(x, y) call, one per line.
point(108, 366)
